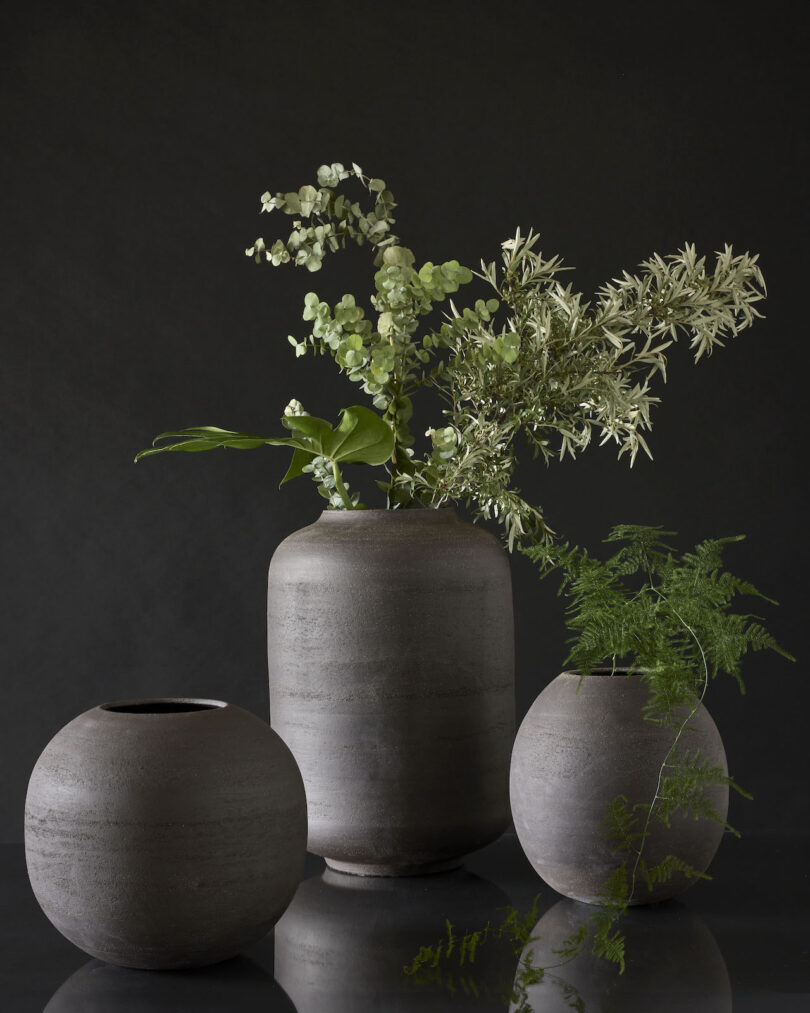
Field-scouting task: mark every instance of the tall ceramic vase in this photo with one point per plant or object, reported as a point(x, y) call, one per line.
point(165, 833)
point(391, 661)
point(584, 742)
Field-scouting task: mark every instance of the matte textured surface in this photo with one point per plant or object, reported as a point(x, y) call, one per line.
point(391, 660)
point(167, 837)
point(353, 940)
point(582, 743)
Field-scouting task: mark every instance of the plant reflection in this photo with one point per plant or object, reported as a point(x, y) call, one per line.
point(239, 984)
point(343, 943)
point(673, 964)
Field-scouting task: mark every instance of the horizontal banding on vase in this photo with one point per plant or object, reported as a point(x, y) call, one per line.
point(165, 833)
point(391, 662)
point(583, 743)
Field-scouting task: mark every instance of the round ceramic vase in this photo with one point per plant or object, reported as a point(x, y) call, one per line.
point(391, 661)
point(165, 833)
point(583, 742)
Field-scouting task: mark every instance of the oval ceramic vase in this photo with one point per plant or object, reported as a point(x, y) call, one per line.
point(391, 661)
point(165, 833)
point(583, 743)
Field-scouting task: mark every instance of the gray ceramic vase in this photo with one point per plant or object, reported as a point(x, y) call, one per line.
point(574, 753)
point(391, 660)
point(165, 833)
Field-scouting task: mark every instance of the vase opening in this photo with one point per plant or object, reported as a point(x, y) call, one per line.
point(162, 706)
point(618, 670)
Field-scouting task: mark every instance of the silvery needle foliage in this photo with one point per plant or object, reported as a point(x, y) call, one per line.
point(560, 371)
point(534, 366)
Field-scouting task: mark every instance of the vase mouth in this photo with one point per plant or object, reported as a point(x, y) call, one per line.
point(609, 670)
point(162, 705)
point(410, 516)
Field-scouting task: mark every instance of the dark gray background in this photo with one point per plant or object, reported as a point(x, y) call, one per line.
point(136, 140)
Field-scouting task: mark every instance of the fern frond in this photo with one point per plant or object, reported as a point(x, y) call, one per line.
point(683, 789)
point(664, 870)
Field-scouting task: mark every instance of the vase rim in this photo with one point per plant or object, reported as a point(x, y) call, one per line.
point(167, 706)
point(413, 516)
point(609, 670)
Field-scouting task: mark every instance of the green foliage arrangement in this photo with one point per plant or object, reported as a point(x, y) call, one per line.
point(532, 367)
point(668, 617)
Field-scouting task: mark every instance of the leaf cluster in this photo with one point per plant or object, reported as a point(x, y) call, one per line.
point(532, 367)
point(361, 436)
point(665, 614)
point(668, 617)
point(553, 371)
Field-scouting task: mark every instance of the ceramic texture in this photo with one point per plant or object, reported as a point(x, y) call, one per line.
point(165, 834)
point(391, 661)
point(574, 753)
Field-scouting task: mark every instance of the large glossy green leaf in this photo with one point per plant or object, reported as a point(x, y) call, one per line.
point(361, 437)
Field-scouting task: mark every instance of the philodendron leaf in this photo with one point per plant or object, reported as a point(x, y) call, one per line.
point(361, 437)
point(300, 459)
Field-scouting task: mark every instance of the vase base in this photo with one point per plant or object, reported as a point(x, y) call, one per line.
point(397, 869)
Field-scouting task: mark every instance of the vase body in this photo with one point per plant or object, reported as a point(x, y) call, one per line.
point(391, 662)
point(165, 834)
point(583, 743)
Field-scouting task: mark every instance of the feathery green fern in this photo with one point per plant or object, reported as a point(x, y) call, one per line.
point(668, 617)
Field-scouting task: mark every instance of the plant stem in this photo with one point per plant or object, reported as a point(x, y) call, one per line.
point(395, 391)
point(673, 747)
point(341, 488)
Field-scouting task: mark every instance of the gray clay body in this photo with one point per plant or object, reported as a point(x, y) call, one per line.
point(165, 834)
point(391, 661)
point(581, 745)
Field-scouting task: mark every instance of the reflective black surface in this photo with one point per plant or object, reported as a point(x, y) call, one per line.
point(741, 942)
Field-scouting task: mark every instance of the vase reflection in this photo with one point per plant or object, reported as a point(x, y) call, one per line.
point(344, 941)
point(673, 963)
point(238, 984)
